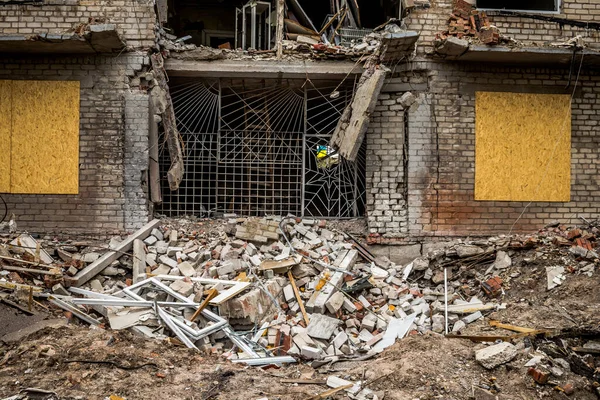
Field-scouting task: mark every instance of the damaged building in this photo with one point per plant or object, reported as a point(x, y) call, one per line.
point(428, 120)
point(293, 199)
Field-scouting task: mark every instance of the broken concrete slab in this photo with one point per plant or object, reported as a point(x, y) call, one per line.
point(352, 126)
point(97, 266)
point(322, 326)
point(495, 355)
point(452, 47)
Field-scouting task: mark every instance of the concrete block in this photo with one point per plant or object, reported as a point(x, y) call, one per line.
point(321, 326)
point(335, 302)
point(186, 269)
point(496, 355)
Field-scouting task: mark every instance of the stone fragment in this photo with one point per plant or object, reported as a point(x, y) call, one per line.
point(369, 322)
point(311, 352)
point(186, 269)
point(150, 240)
point(335, 302)
point(168, 261)
point(321, 326)
point(157, 234)
point(467, 250)
point(503, 260)
point(288, 293)
point(495, 355)
point(182, 287)
point(96, 285)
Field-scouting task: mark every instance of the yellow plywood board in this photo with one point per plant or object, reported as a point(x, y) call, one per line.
point(522, 146)
point(45, 137)
point(5, 134)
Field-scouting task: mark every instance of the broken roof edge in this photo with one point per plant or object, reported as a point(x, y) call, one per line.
point(454, 49)
point(263, 68)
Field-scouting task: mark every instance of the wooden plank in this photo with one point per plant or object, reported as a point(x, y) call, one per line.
point(5, 134)
point(98, 266)
point(298, 298)
point(17, 286)
point(139, 260)
point(27, 243)
point(45, 137)
point(513, 328)
point(211, 294)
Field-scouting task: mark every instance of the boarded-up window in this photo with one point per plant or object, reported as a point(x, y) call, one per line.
point(39, 137)
point(522, 146)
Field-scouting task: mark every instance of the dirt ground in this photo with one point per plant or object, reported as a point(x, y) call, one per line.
point(417, 367)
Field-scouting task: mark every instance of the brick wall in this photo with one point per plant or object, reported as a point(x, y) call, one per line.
point(102, 206)
point(137, 120)
point(134, 19)
point(441, 151)
point(528, 31)
point(386, 202)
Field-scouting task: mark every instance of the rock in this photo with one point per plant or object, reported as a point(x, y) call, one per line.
point(335, 302)
point(96, 286)
point(186, 269)
point(60, 289)
point(168, 261)
point(467, 250)
point(321, 326)
point(420, 263)
point(157, 234)
point(438, 277)
point(378, 273)
point(162, 270)
point(555, 276)
point(407, 99)
point(150, 240)
point(472, 317)
point(311, 352)
point(496, 355)
point(161, 247)
point(503, 261)
point(369, 322)
point(288, 293)
point(383, 262)
point(182, 287)
point(458, 325)
point(437, 324)
point(90, 257)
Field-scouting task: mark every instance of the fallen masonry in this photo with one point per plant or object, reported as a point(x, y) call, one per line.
point(264, 291)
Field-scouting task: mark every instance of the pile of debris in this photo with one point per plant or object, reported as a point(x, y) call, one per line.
point(468, 22)
point(278, 289)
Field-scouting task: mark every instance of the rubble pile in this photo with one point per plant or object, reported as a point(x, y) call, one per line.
point(273, 290)
point(468, 22)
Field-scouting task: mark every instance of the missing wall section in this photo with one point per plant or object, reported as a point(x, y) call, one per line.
point(260, 146)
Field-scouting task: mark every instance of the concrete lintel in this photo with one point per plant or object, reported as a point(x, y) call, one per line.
point(261, 68)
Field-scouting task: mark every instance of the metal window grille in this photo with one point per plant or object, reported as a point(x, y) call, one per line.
point(252, 148)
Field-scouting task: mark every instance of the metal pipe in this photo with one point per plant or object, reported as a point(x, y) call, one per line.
point(446, 299)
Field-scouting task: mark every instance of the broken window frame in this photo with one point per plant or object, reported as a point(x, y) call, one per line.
point(557, 8)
